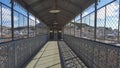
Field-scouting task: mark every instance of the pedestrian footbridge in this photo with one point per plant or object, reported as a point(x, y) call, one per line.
point(60, 34)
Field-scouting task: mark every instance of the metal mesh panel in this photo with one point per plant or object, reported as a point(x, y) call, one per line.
point(20, 25)
point(107, 23)
point(31, 28)
point(15, 54)
point(23, 26)
point(107, 29)
point(5, 23)
point(94, 54)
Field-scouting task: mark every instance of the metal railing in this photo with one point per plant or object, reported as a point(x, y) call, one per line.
point(94, 54)
point(20, 37)
point(14, 54)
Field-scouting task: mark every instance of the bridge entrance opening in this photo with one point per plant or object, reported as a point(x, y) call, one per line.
point(55, 34)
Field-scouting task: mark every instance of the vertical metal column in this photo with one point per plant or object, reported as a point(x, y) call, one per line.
point(89, 29)
point(81, 25)
point(28, 23)
point(67, 29)
point(63, 32)
point(12, 18)
point(118, 38)
point(95, 20)
point(70, 29)
point(74, 27)
point(1, 19)
point(105, 24)
point(35, 26)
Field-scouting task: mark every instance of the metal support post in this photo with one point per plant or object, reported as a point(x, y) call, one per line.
point(118, 38)
point(35, 26)
point(81, 25)
point(70, 29)
point(12, 19)
point(1, 21)
point(105, 24)
point(74, 27)
point(95, 20)
point(28, 23)
point(63, 33)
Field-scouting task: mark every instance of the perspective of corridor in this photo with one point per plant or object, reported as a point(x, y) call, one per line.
point(47, 57)
point(59, 33)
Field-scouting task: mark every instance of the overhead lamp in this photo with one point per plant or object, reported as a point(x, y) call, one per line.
point(54, 11)
point(55, 23)
point(51, 31)
point(60, 31)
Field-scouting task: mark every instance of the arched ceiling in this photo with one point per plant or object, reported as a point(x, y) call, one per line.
point(69, 9)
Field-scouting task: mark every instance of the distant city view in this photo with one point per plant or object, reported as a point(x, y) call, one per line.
point(104, 34)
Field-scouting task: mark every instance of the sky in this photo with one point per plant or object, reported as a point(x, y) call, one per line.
point(111, 15)
point(19, 19)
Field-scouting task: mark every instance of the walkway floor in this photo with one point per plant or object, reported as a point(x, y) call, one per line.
point(47, 57)
point(69, 58)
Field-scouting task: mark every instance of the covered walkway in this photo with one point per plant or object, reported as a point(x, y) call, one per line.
point(60, 34)
point(49, 57)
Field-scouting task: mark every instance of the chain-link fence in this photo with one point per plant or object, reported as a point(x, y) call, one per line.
point(24, 25)
point(5, 18)
point(107, 29)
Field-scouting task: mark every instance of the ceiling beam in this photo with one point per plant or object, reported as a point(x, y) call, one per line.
point(42, 14)
point(37, 3)
point(88, 3)
point(65, 13)
point(45, 9)
point(76, 5)
point(61, 15)
point(47, 16)
point(66, 10)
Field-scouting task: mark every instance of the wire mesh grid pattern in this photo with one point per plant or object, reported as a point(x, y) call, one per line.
point(107, 29)
point(24, 26)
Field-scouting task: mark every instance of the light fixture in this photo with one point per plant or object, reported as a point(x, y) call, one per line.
point(54, 9)
point(51, 31)
point(60, 31)
point(55, 23)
